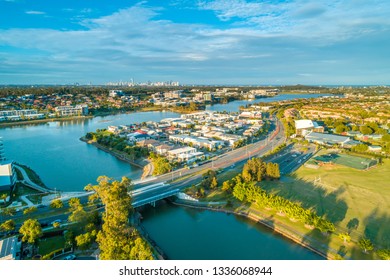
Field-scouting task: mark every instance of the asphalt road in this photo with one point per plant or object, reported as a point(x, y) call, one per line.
point(236, 158)
point(193, 176)
point(291, 158)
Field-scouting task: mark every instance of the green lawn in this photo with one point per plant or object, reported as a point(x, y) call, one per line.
point(48, 245)
point(356, 201)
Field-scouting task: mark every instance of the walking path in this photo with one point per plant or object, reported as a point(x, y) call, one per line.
point(27, 181)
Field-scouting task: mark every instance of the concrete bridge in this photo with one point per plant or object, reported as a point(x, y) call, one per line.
point(154, 198)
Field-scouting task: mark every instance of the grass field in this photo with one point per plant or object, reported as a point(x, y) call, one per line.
point(356, 162)
point(356, 201)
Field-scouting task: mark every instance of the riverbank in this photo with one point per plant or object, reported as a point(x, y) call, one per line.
point(41, 121)
point(268, 221)
point(141, 163)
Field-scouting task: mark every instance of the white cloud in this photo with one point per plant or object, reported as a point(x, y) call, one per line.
point(327, 21)
point(257, 42)
point(35, 13)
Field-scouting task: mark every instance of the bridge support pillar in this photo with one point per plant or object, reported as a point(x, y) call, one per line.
point(153, 203)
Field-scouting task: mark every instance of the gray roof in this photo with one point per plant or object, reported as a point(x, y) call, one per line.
point(326, 138)
point(8, 248)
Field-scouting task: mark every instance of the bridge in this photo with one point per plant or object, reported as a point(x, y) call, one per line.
point(153, 199)
point(150, 194)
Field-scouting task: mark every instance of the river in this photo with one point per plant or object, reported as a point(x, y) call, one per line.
point(64, 162)
point(185, 233)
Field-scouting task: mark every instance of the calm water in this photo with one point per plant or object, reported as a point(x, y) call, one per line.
point(184, 233)
point(64, 162)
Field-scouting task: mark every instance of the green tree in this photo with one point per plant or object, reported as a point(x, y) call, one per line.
point(31, 231)
point(341, 128)
point(214, 183)
point(360, 148)
point(227, 186)
point(366, 130)
point(116, 238)
point(161, 165)
point(366, 245)
point(56, 204)
point(9, 211)
point(84, 241)
point(7, 225)
point(140, 250)
point(30, 210)
point(69, 238)
point(4, 196)
point(345, 237)
point(78, 214)
point(384, 254)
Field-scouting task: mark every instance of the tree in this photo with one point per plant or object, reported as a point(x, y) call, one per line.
point(56, 204)
point(366, 130)
point(341, 128)
point(161, 165)
point(30, 210)
point(214, 183)
point(345, 237)
point(384, 254)
point(69, 238)
point(84, 241)
point(140, 250)
point(366, 245)
point(78, 214)
point(360, 148)
point(7, 225)
point(31, 231)
point(9, 211)
point(116, 238)
point(4, 196)
point(227, 186)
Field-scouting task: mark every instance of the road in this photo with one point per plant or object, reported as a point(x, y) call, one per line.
point(193, 176)
point(168, 182)
point(291, 158)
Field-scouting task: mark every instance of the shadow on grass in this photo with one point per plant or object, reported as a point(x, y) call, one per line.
point(377, 229)
point(326, 204)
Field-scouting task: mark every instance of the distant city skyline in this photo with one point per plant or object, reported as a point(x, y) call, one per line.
point(208, 42)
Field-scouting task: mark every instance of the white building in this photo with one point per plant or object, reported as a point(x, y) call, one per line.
point(303, 127)
point(16, 115)
point(7, 176)
point(67, 111)
point(180, 153)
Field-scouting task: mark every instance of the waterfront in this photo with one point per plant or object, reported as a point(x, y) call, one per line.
point(184, 233)
point(64, 162)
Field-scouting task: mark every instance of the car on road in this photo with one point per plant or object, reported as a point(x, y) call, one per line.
point(70, 257)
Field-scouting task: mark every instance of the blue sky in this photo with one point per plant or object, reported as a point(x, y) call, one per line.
point(195, 42)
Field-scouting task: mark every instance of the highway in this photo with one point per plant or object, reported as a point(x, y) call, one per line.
point(291, 158)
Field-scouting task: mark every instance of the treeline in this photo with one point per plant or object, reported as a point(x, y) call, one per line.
point(110, 140)
point(257, 170)
point(249, 192)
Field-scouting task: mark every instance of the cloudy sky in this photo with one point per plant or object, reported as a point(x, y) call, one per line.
point(322, 42)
